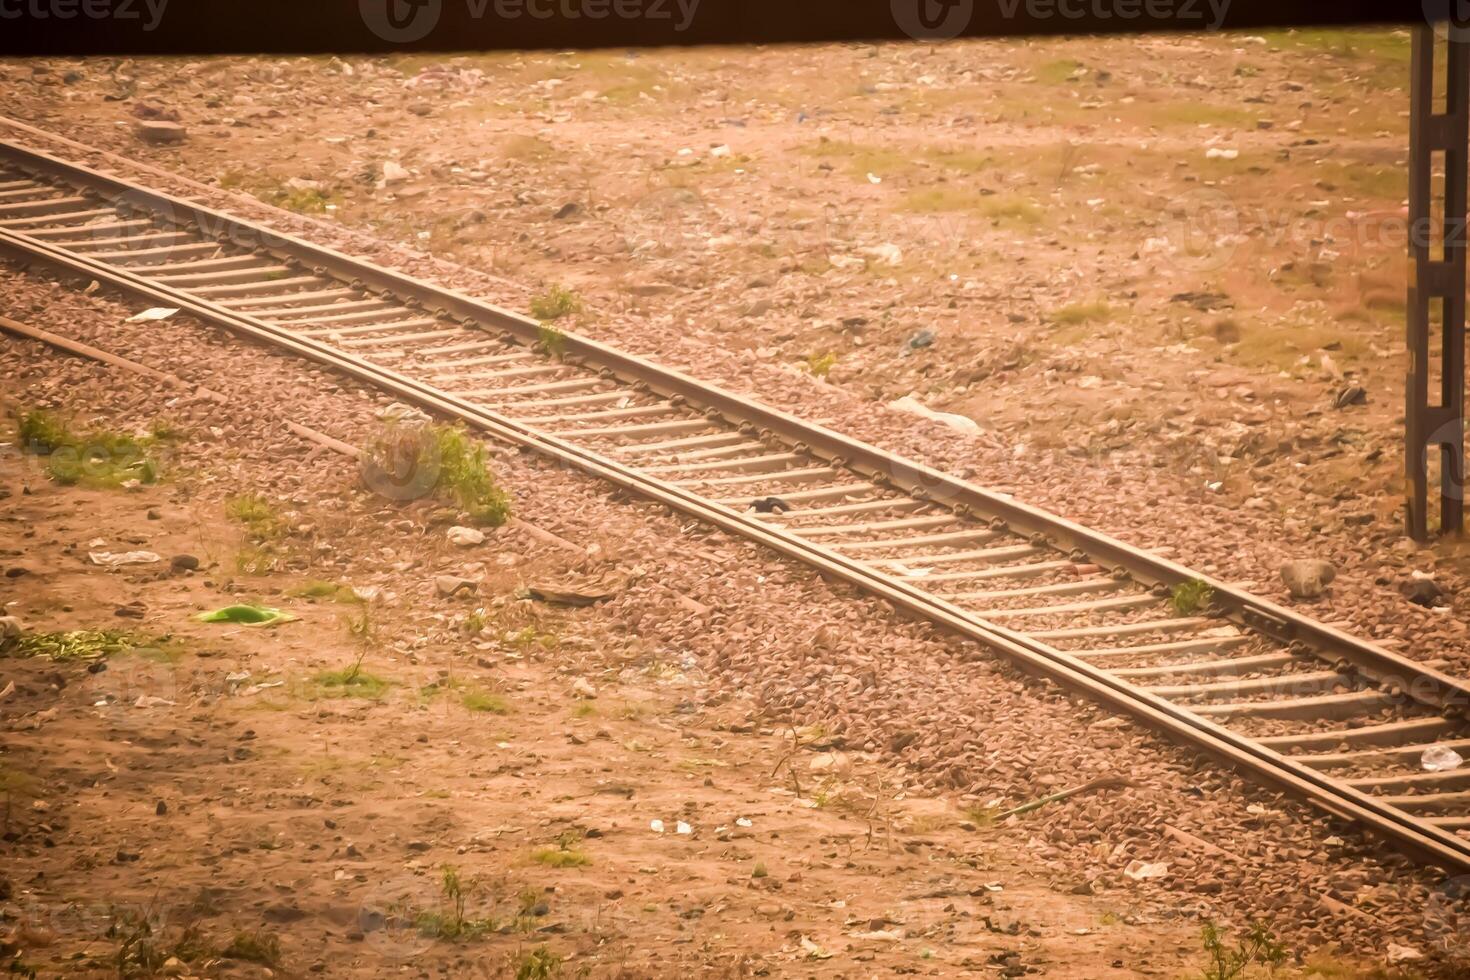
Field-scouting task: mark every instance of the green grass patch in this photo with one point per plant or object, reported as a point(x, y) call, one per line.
point(555, 303)
point(560, 857)
point(261, 519)
point(1001, 210)
point(91, 645)
point(96, 458)
point(552, 340)
point(319, 590)
point(254, 947)
point(538, 964)
point(407, 462)
point(1058, 72)
point(1190, 597)
point(351, 682)
point(820, 365)
point(1078, 313)
point(477, 700)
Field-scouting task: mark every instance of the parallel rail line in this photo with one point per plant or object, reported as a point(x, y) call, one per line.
point(1288, 701)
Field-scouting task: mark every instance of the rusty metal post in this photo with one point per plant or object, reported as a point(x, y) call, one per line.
point(1437, 142)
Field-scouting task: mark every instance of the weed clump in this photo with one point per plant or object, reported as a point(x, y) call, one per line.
point(1079, 313)
point(475, 700)
point(1258, 947)
point(821, 365)
point(560, 857)
point(352, 682)
point(1190, 597)
point(408, 462)
point(451, 922)
point(83, 644)
point(538, 964)
point(254, 947)
point(554, 304)
point(96, 458)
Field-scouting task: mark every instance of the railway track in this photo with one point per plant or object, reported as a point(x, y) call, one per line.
point(1288, 701)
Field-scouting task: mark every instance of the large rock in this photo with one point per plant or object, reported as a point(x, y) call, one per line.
point(160, 132)
point(1307, 578)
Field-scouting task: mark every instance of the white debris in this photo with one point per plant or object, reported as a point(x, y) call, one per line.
point(657, 826)
point(1440, 758)
point(1403, 954)
point(154, 313)
point(582, 688)
point(887, 253)
point(466, 537)
point(1142, 871)
point(1218, 153)
point(960, 423)
point(683, 828)
point(720, 151)
point(110, 559)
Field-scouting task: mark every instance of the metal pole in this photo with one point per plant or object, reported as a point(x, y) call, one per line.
point(1437, 141)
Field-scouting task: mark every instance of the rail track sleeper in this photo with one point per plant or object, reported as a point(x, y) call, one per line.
point(63, 234)
point(1239, 665)
point(1387, 755)
point(1389, 733)
point(47, 206)
point(766, 462)
point(190, 280)
point(359, 308)
point(630, 412)
point(1067, 608)
point(1320, 680)
point(1428, 803)
point(865, 527)
point(358, 330)
point(988, 556)
point(86, 246)
point(1082, 586)
point(1326, 706)
point(977, 535)
point(9, 192)
point(1030, 570)
point(570, 384)
point(950, 557)
point(800, 475)
point(1378, 785)
point(838, 492)
point(251, 290)
point(69, 217)
point(1204, 645)
point(534, 370)
point(620, 431)
point(130, 258)
point(10, 185)
point(896, 504)
point(437, 368)
point(201, 265)
point(598, 398)
point(284, 304)
point(1123, 629)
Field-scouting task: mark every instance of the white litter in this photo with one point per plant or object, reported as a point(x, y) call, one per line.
point(1216, 153)
point(466, 537)
point(1142, 871)
point(155, 313)
point(1403, 954)
point(657, 826)
point(743, 822)
point(1440, 758)
point(960, 423)
point(683, 828)
point(110, 559)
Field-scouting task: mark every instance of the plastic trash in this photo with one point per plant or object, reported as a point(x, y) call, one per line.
point(1440, 758)
point(150, 315)
point(246, 615)
point(1142, 871)
point(110, 559)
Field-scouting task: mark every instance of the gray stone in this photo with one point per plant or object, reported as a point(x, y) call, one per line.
point(1307, 578)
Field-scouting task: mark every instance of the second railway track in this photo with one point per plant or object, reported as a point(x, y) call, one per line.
point(1288, 701)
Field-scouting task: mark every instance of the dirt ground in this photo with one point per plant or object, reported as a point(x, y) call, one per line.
point(1116, 306)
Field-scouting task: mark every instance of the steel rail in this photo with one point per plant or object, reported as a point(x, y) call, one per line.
point(1422, 839)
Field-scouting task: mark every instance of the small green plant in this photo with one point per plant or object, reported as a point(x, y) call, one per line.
point(759, 871)
point(254, 947)
point(86, 644)
point(414, 461)
point(474, 622)
point(302, 200)
point(138, 955)
point(560, 857)
point(584, 709)
point(552, 340)
point(1256, 948)
point(476, 700)
point(538, 964)
point(451, 922)
point(554, 304)
point(1079, 313)
point(262, 522)
point(97, 458)
point(352, 682)
point(1190, 597)
point(329, 591)
point(821, 365)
